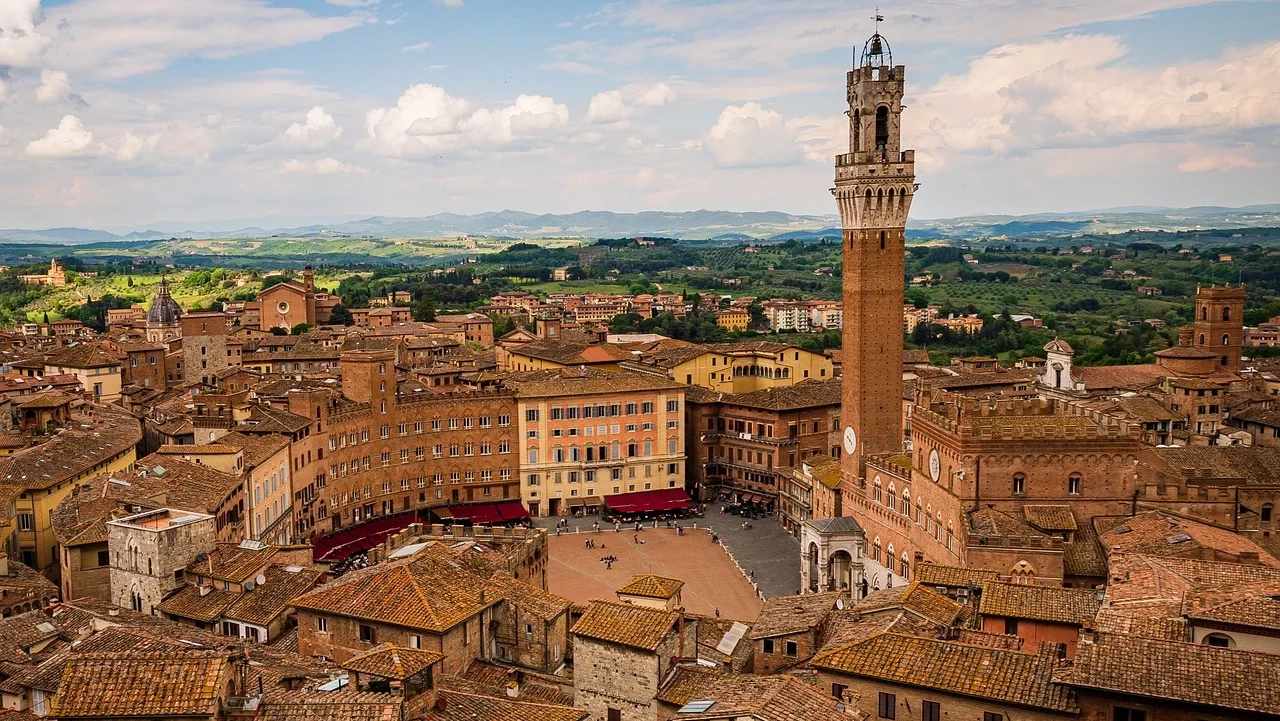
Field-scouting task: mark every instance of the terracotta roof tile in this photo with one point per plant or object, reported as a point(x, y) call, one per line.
point(1242, 464)
point(74, 451)
point(769, 698)
point(584, 381)
point(141, 684)
point(1041, 603)
point(426, 592)
point(231, 562)
point(392, 662)
point(1254, 605)
point(793, 614)
point(460, 706)
point(258, 449)
point(190, 603)
point(1160, 534)
point(625, 624)
point(990, 522)
point(1179, 671)
point(932, 606)
point(532, 602)
point(267, 601)
point(1050, 518)
point(930, 574)
point(982, 672)
point(489, 679)
point(1083, 555)
point(1156, 619)
point(651, 586)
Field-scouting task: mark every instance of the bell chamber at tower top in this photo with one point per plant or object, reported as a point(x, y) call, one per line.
point(875, 180)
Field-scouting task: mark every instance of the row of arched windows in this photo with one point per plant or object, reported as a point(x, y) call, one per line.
point(1226, 339)
point(886, 559)
point(927, 518)
point(1204, 312)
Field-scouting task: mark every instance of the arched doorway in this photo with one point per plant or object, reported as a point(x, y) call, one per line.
point(840, 571)
point(813, 567)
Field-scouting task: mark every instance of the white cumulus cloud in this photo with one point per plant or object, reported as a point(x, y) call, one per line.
point(751, 136)
point(20, 44)
point(607, 107)
point(130, 146)
point(426, 119)
point(323, 166)
point(1074, 92)
point(55, 86)
point(656, 95)
point(317, 131)
point(68, 140)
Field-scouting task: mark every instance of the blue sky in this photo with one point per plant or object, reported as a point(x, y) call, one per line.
point(123, 113)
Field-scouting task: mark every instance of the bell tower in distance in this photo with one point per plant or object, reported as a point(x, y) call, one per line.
point(875, 182)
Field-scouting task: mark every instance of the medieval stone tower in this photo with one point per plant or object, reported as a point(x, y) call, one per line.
point(1219, 323)
point(875, 181)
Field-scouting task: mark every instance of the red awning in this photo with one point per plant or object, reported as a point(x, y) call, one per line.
point(666, 499)
point(512, 511)
point(490, 513)
point(361, 537)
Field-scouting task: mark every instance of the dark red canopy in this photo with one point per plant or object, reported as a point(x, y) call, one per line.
point(664, 499)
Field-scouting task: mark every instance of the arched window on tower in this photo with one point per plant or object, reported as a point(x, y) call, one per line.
point(1019, 484)
point(1204, 312)
point(1226, 339)
point(1226, 313)
point(1202, 339)
point(882, 127)
point(857, 130)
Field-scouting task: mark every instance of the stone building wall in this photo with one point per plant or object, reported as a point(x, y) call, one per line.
point(341, 639)
point(148, 562)
point(765, 663)
point(610, 676)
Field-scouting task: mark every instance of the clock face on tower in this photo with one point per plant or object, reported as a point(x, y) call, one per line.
point(935, 465)
point(850, 440)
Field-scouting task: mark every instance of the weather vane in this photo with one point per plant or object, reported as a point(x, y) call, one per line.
point(879, 18)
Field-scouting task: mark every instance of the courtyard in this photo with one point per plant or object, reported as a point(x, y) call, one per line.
point(713, 582)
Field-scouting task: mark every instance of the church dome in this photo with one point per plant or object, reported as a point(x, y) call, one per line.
point(164, 309)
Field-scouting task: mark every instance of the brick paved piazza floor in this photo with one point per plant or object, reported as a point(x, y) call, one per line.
point(711, 578)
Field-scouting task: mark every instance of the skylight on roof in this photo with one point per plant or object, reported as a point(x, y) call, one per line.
point(1179, 538)
point(696, 707)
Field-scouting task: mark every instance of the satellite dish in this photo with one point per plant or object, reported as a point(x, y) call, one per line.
point(248, 585)
point(261, 579)
point(839, 604)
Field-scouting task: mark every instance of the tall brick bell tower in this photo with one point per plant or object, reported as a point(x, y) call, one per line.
point(875, 181)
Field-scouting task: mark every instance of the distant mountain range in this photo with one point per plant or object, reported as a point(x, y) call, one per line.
point(714, 225)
